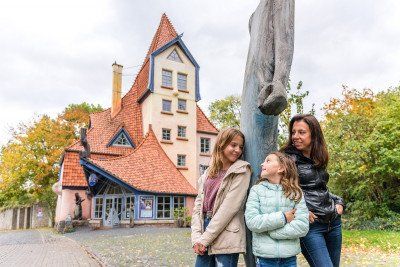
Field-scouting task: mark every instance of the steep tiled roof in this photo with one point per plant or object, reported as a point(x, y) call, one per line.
point(148, 168)
point(203, 123)
point(103, 127)
point(72, 171)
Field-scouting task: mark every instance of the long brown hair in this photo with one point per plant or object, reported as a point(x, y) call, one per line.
point(319, 152)
point(290, 178)
point(223, 140)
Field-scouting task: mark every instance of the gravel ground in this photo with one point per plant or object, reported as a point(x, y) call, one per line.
point(167, 246)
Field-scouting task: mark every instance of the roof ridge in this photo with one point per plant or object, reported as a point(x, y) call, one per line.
point(212, 124)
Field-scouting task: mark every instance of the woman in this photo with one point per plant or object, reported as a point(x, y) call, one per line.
point(218, 229)
point(306, 145)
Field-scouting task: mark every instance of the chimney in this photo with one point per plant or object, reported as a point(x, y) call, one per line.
point(116, 89)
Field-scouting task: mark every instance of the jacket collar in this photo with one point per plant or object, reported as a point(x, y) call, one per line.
point(275, 187)
point(299, 156)
point(239, 166)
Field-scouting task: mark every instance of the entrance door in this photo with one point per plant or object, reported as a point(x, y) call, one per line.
point(113, 208)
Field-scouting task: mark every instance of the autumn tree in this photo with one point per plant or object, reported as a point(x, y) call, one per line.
point(29, 163)
point(362, 131)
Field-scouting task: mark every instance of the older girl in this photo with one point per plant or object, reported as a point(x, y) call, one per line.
point(218, 229)
point(306, 145)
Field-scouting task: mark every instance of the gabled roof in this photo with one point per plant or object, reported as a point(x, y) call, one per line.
point(104, 128)
point(148, 169)
point(204, 124)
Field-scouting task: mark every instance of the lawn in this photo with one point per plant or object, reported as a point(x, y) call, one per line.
point(385, 241)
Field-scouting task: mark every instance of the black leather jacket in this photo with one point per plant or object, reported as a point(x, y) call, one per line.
point(313, 182)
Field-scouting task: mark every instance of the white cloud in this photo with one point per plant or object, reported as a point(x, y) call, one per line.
point(59, 52)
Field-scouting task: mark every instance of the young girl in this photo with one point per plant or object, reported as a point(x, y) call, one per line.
point(276, 213)
point(218, 229)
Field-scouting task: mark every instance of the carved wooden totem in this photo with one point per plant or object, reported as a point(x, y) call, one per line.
point(267, 73)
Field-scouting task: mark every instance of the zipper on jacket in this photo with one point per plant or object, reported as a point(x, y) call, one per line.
point(277, 209)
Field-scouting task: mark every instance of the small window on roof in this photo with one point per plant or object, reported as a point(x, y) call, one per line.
point(122, 139)
point(174, 56)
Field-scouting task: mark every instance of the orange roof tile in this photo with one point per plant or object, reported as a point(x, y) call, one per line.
point(203, 123)
point(148, 168)
point(72, 172)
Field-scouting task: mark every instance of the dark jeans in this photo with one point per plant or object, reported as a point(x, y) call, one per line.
point(322, 245)
point(217, 260)
point(276, 262)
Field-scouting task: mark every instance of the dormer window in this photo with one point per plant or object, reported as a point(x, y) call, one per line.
point(167, 78)
point(121, 139)
point(174, 56)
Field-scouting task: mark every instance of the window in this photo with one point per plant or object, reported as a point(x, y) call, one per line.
point(167, 78)
point(129, 206)
point(182, 81)
point(174, 56)
point(182, 104)
point(98, 208)
point(122, 140)
point(205, 145)
point(163, 207)
point(166, 134)
point(182, 131)
point(203, 168)
point(181, 160)
point(166, 105)
point(179, 202)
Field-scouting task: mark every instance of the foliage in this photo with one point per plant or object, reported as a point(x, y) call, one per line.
point(387, 241)
point(225, 112)
point(362, 131)
point(29, 163)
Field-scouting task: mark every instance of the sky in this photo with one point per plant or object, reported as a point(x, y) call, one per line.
point(54, 53)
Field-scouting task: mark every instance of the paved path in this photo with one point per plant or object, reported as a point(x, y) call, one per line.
point(41, 248)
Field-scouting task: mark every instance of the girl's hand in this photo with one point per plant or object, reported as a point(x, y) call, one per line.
point(339, 209)
point(199, 249)
point(290, 215)
point(312, 217)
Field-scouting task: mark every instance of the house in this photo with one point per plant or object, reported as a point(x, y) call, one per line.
point(144, 154)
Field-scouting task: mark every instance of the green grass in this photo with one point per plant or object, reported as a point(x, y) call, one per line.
point(386, 241)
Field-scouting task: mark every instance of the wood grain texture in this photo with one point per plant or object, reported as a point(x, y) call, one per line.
point(267, 72)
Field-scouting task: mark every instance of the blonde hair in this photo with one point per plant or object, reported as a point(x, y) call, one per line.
point(224, 138)
point(290, 177)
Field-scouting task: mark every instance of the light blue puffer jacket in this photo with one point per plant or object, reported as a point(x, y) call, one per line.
point(272, 237)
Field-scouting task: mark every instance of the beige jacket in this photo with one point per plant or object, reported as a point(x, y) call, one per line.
point(226, 232)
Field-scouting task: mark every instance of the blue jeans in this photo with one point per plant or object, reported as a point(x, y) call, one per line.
point(276, 262)
point(217, 260)
point(322, 245)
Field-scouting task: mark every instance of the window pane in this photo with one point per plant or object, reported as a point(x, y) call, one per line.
point(181, 160)
point(181, 131)
point(166, 134)
point(166, 105)
point(182, 81)
point(204, 145)
point(167, 78)
point(174, 56)
point(181, 104)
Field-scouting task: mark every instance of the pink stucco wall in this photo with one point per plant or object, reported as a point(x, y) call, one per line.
point(190, 204)
point(66, 204)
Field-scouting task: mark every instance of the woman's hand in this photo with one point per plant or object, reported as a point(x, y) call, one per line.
point(199, 249)
point(339, 209)
point(312, 217)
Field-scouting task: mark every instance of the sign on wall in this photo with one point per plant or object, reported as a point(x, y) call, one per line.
point(146, 206)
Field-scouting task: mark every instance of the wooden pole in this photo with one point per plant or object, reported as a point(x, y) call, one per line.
point(267, 73)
